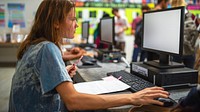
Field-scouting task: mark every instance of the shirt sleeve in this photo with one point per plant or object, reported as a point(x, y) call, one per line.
point(133, 25)
point(126, 22)
point(51, 68)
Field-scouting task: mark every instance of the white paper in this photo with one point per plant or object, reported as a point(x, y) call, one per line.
point(101, 87)
point(109, 78)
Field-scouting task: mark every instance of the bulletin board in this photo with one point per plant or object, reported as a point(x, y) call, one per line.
point(17, 11)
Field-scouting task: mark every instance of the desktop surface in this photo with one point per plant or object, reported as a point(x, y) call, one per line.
point(93, 74)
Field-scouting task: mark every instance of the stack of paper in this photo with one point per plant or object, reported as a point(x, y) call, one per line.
point(101, 86)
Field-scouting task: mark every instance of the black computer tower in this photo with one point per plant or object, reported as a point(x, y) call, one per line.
point(171, 78)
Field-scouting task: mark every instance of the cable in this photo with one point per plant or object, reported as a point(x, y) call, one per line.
point(125, 61)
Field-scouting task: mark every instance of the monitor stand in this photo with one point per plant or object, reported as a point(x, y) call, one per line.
point(155, 63)
point(110, 49)
point(164, 63)
point(110, 54)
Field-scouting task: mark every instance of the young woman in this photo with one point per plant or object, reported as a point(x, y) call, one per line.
point(41, 82)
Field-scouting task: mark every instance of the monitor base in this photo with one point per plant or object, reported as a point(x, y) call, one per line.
point(171, 64)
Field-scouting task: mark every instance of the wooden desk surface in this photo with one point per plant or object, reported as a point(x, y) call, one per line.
point(151, 108)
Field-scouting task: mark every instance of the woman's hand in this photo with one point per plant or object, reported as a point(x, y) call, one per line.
point(71, 70)
point(148, 96)
point(75, 50)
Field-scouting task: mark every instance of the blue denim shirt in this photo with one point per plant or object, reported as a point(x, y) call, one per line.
point(37, 74)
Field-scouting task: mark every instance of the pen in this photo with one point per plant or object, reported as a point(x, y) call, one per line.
point(119, 77)
point(74, 64)
point(78, 61)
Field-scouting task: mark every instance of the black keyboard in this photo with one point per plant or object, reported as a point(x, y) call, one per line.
point(132, 80)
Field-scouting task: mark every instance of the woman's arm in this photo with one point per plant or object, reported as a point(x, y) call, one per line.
point(74, 53)
point(79, 101)
point(69, 56)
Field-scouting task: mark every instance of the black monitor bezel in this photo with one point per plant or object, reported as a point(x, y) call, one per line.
point(181, 31)
point(113, 31)
point(85, 22)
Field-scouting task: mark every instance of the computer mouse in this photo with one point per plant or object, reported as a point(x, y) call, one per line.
point(167, 102)
point(87, 63)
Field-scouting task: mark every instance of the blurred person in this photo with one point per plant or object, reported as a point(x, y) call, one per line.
point(137, 31)
point(161, 4)
point(121, 25)
point(97, 35)
point(197, 59)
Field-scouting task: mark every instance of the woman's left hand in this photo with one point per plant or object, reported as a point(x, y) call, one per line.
point(71, 70)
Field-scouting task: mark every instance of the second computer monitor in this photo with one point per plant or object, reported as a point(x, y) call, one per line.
point(107, 31)
point(85, 30)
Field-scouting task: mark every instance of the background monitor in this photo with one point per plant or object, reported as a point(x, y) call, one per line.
point(107, 31)
point(163, 34)
point(85, 30)
point(92, 14)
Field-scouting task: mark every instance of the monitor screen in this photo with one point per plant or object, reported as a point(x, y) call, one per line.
point(85, 29)
point(107, 30)
point(163, 31)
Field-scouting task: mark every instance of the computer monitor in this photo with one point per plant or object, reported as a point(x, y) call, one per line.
point(92, 14)
point(107, 31)
point(85, 30)
point(163, 34)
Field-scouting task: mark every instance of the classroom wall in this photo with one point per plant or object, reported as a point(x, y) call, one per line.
point(32, 5)
point(28, 13)
point(129, 13)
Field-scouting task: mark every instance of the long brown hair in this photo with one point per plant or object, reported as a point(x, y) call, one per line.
point(49, 13)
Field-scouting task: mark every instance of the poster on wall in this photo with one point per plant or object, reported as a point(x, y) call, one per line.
point(16, 14)
point(2, 15)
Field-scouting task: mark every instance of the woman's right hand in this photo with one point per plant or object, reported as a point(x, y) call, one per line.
point(71, 70)
point(148, 96)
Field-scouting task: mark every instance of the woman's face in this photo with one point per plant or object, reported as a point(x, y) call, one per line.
point(68, 28)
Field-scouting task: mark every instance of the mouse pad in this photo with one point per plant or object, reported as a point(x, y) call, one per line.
point(88, 66)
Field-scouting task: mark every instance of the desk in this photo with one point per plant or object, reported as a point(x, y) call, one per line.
point(93, 74)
